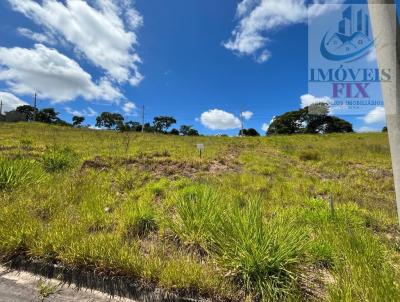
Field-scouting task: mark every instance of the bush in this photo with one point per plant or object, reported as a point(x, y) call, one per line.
point(14, 173)
point(58, 160)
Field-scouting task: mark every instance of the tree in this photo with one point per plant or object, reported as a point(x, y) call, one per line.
point(384, 129)
point(313, 119)
point(48, 116)
point(77, 121)
point(162, 123)
point(28, 111)
point(148, 128)
point(110, 120)
point(249, 132)
point(134, 126)
point(188, 130)
point(174, 132)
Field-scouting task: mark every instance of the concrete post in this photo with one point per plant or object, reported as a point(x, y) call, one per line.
point(385, 29)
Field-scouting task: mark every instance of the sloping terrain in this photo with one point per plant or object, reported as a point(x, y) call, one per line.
point(249, 220)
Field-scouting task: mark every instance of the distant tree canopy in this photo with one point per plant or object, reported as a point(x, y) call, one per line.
point(384, 129)
point(77, 121)
point(29, 111)
point(313, 119)
point(110, 120)
point(249, 132)
point(188, 131)
point(46, 115)
point(162, 123)
point(174, 132)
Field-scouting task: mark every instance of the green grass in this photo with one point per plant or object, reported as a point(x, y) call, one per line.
point(16, 173)
point(249, 221)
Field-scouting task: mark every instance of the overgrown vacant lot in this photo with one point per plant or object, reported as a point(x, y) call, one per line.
point(250, 220)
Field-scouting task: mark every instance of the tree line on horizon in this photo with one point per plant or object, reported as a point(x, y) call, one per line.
point(302, 121)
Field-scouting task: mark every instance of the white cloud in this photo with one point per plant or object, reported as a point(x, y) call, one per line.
point(257, 18)
point(90, 112)
point(37, 37)
point(366, 129)
point(98, 32)
point(51, 75)
point(129, 108)
point(308, 99)
point(265, 126)
point(217, 119)
point(10, 101)
point(375, 116)
point(247, 114)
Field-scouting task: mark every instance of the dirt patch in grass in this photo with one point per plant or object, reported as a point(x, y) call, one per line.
point(97, 163)
point(313, 283)
point(165, 166)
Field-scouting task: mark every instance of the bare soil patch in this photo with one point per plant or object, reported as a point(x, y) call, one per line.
point(164, 166)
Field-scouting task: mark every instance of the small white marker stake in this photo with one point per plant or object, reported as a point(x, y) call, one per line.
point(200, 148)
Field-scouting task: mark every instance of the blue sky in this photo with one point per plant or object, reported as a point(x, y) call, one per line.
point(175, 57)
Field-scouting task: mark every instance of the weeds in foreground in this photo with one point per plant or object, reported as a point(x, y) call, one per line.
point(261, 255)
point(58, 159)
point(14, 173)
point(46, 289)
point(197, 213)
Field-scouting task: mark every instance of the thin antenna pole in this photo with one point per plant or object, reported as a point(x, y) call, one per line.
point(142, 118)
point(241, 123)
point(35, 107)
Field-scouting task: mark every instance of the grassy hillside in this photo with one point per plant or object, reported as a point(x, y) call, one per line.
point(250, 220)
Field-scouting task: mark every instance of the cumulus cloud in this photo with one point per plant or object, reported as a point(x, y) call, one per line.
point(10, 101)
point(89, 112)
point(308, 99)
point(265, 126)
point(247, 114)
point(217, 119)
point(375, 116)
point(102, 32)
point(129, 108)
point(51, 75)
point(257, 18)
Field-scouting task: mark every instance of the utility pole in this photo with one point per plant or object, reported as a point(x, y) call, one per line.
point(142, 118)
point(241, 123)
point(386, 32)
point(34, 106)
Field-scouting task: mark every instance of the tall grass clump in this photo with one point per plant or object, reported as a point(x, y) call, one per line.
point(14, 173)
point(197, 209)
point(139, 220)
point(55, 160)
point(260, 255)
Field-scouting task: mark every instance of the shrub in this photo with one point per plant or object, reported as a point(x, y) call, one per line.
point(58, 159)
point(14, 173)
